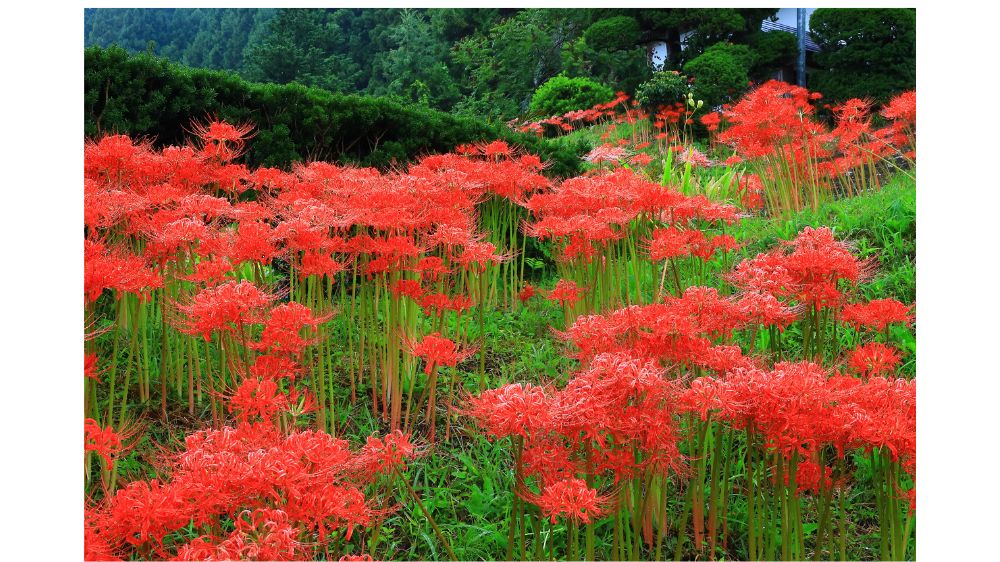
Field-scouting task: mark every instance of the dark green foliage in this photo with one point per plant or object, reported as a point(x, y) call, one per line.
point(561, 94)
point(501, 69)
point(413, 69)
point(142, 95)
point(613, 34)
point(865, 53)
point(212, 38)
point(302, 46)
point(664, 88)
point(721, 73)
point(772, 50)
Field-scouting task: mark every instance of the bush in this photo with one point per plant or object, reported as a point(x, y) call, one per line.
point(146, 96)
point(561, 94)
point(864, 53)
point(613, 34)
point(664, 88)
point(721, 73)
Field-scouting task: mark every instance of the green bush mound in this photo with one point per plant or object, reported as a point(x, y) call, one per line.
point(619, 33)
point(142, 95)
point(721, 73)
point(560, 94)
point(664, 88)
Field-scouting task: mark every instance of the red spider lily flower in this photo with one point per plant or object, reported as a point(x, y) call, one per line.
point(571, 499)
point(711, 121)
point(873, 359)
point(261, 534)
point(273, 367)
point(407, 287)
point(90, 367)
point(105, 442)
point(283, 327)
point(877, 314)
point(765, 309)
point(695, 157)
point(211, 272)
point(97, 544)
point(225, 307)
point(221, 131)
point(258, 399)
point(255, 241)
point(319, 264)
point(475, 256)
point(566, 293)
point(431, 268)
point(118, 270)
point(513, 409)
point(807, 477)
point(548, 458)
point(383, 455)
point(902, 107)
point(437, 351)
point(641, 159)
point(668, 243)
point(460, 303)
point(606, 153)
point(434, 303)
point(526, 293)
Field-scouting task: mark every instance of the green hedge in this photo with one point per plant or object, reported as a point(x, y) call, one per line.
point(142, 95)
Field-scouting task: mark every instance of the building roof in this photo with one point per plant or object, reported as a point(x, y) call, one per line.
point(768, 25)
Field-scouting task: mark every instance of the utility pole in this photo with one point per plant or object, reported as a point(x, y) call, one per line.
point(800, 14)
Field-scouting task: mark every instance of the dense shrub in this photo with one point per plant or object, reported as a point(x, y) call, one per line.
point(664, 88)
point(772, 50)
point(864, 53)
point(561, 94)
point(613, 34)
point(147, 96)
point(721, 73)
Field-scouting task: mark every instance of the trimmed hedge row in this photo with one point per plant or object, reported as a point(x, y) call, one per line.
point(142, 95)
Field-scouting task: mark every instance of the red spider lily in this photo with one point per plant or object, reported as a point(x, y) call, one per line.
point(431, 268)
point(105, 268)
point(526, 293)
point(711, 121)
point(877, 314)
point(807, 477)
point(606, 153)
point(261, 534)
point(90, 369)
point(407, 287)
point(283, 327)
point(566, 293)
point(308, 476)
point(437, 351)
point(902, 107)
point(105, 442)
point(224, 308)
point(809, 273)
point(356, 558)
point(211, 272)
point(693, 156)
point(513, 409)
point(258, 399)
point(873, 359)
point(383, 455)
point(273, 367)
point(571, 499)
point(667, 243)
